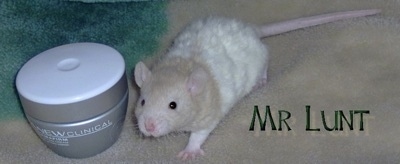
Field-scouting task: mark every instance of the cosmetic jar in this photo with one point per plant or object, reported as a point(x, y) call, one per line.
point(75, 97)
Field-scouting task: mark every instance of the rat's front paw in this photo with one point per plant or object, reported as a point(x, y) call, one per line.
point(190, 154)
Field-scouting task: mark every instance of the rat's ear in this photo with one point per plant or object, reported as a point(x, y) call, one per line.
point(197, 81)
point(142, 73)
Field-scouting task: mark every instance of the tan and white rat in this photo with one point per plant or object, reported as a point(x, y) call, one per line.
point(213, 63)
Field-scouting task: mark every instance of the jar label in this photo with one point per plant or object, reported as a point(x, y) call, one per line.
point(61, 137)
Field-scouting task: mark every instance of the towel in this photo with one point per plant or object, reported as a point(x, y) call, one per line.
point(31, 27)
point(105, 1)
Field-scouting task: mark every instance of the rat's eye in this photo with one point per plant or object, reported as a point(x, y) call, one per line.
point(172, 105)
point(142, 102)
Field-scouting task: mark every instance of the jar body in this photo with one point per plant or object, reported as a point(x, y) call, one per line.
point(84, 138)
point(75, 97)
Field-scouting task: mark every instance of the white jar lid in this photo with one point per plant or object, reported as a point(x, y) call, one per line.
point(63, 79)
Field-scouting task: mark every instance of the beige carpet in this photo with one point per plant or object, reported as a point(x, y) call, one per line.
point(343, 66)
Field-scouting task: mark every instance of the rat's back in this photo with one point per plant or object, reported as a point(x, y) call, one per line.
point(233, 51)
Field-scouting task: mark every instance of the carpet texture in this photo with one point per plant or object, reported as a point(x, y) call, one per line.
point(348, 67)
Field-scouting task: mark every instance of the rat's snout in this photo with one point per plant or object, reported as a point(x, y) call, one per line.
point(149, 125)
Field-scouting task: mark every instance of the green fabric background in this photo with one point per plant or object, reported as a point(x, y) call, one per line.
point(30, 27)
point(106, 1)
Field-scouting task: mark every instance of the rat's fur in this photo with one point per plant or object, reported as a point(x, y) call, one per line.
point(230, 49)
point(212, 64)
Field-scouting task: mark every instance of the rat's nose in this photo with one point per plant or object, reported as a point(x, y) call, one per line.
point(149, 125)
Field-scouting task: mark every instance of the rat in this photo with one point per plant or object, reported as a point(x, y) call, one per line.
point(211, 65)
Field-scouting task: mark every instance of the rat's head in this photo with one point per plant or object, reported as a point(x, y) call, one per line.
point(166, 98)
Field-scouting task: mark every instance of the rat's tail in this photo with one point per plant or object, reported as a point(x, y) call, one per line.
point(282, 27)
